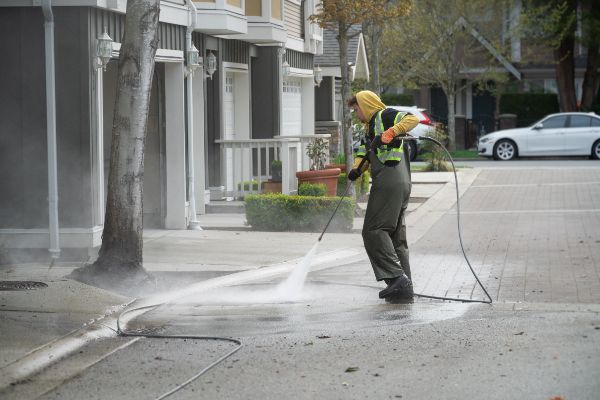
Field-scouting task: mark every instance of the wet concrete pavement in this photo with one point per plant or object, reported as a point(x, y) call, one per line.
point(339, 340)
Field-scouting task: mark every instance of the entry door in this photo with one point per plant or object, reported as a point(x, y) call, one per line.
point(292, 106)
point(229, 126)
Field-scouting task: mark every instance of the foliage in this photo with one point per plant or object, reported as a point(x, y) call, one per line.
point(358, 131)
point(558, 25)
point(317, 151)
point(361, 184)
point(339, 159)
point(280, 212)
point(248, 186)
point(350, 12)
point(312, 189)
point(437, 156)
point(276, 169)
point(472, 154)
point(345, 17)
point(438, 42)
point(398, 99)
point(529, 107)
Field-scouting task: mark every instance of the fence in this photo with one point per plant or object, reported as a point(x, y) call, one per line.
point(246, 163)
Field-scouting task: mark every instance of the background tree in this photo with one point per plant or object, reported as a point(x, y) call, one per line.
point(341, 15)
point(373, 28)
point(559, 25)
point(120, 256)
point(590, 20)
point(438, 44)
point(552, 24)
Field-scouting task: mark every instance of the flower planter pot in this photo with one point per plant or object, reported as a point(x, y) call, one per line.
point(342, 167)
point(329, 177)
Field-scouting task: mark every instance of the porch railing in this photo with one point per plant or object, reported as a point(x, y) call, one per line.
point(246, 163)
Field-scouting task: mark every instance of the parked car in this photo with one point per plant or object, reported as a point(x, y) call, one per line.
point(562, 134)
point(425, 127)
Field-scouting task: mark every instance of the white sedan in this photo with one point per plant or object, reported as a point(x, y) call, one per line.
point(424, 128)
point(563, 134)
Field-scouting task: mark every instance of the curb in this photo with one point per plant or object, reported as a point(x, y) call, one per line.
point(106, 326)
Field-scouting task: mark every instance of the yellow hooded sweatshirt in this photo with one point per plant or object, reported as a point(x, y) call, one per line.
point(369, 104)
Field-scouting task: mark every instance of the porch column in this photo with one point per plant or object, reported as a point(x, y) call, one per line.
point(175, 217)
point(199, 137)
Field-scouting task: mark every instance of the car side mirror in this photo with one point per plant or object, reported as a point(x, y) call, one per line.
point(539, 126)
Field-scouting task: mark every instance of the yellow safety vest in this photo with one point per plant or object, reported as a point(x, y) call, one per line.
point(386, 152)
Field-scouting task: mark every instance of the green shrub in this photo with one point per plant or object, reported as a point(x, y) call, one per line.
point(312, 189)
point(436, 155)
point(342, 182)
point(339, 159)
point(280, 212)
point(529, 107)
point(361, 185)
point(248, 186)
point(398, 99)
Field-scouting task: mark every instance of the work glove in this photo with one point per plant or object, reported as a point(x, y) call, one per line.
point(388, 136)
point(354, 174)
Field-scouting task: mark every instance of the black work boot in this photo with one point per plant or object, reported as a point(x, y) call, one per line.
point(399, 288)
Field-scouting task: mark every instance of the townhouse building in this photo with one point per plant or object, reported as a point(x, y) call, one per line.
point(217, 117)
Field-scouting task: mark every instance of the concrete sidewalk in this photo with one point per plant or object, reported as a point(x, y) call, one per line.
point(40, 326)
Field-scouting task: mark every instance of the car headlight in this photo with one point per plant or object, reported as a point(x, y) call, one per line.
point(484, 140)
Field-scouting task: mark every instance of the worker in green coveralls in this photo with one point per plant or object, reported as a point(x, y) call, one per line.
point(384, 229)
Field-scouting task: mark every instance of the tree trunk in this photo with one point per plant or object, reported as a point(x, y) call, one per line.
point(346, 118)
point(451, 97)
point(590, 80)
point(122, 241)
point(374, 31)
point(375, 39)
point(565, 69)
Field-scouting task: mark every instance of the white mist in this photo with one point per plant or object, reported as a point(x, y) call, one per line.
point(291, 288)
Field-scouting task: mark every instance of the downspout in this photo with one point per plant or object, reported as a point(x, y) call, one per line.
point(51, 130)
point(193, 224)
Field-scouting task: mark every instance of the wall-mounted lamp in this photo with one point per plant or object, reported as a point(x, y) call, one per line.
point(103, 50)
point(211, 64)
point(192, 59)
point(285, 66)
point(318, 75)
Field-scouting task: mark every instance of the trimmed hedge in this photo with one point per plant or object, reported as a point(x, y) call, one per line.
point(398, 99)
point(529, 107)
point(281, 212)
point(312, 189)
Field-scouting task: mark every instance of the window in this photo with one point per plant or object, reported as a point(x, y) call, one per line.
point(555, 122)
point(580, 121)
point(595, 121)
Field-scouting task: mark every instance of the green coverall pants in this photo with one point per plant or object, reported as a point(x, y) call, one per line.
point(384, 229)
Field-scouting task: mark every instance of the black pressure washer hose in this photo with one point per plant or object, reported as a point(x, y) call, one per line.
point(239, 344)
point(489, 301)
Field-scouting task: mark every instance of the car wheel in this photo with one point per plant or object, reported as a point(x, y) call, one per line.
point(505, 150)
point(412, 150)
point(596, 150)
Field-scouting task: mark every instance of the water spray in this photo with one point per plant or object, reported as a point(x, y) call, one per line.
point(299, 276)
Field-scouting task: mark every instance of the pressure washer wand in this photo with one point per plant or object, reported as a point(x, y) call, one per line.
point(341, 199)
